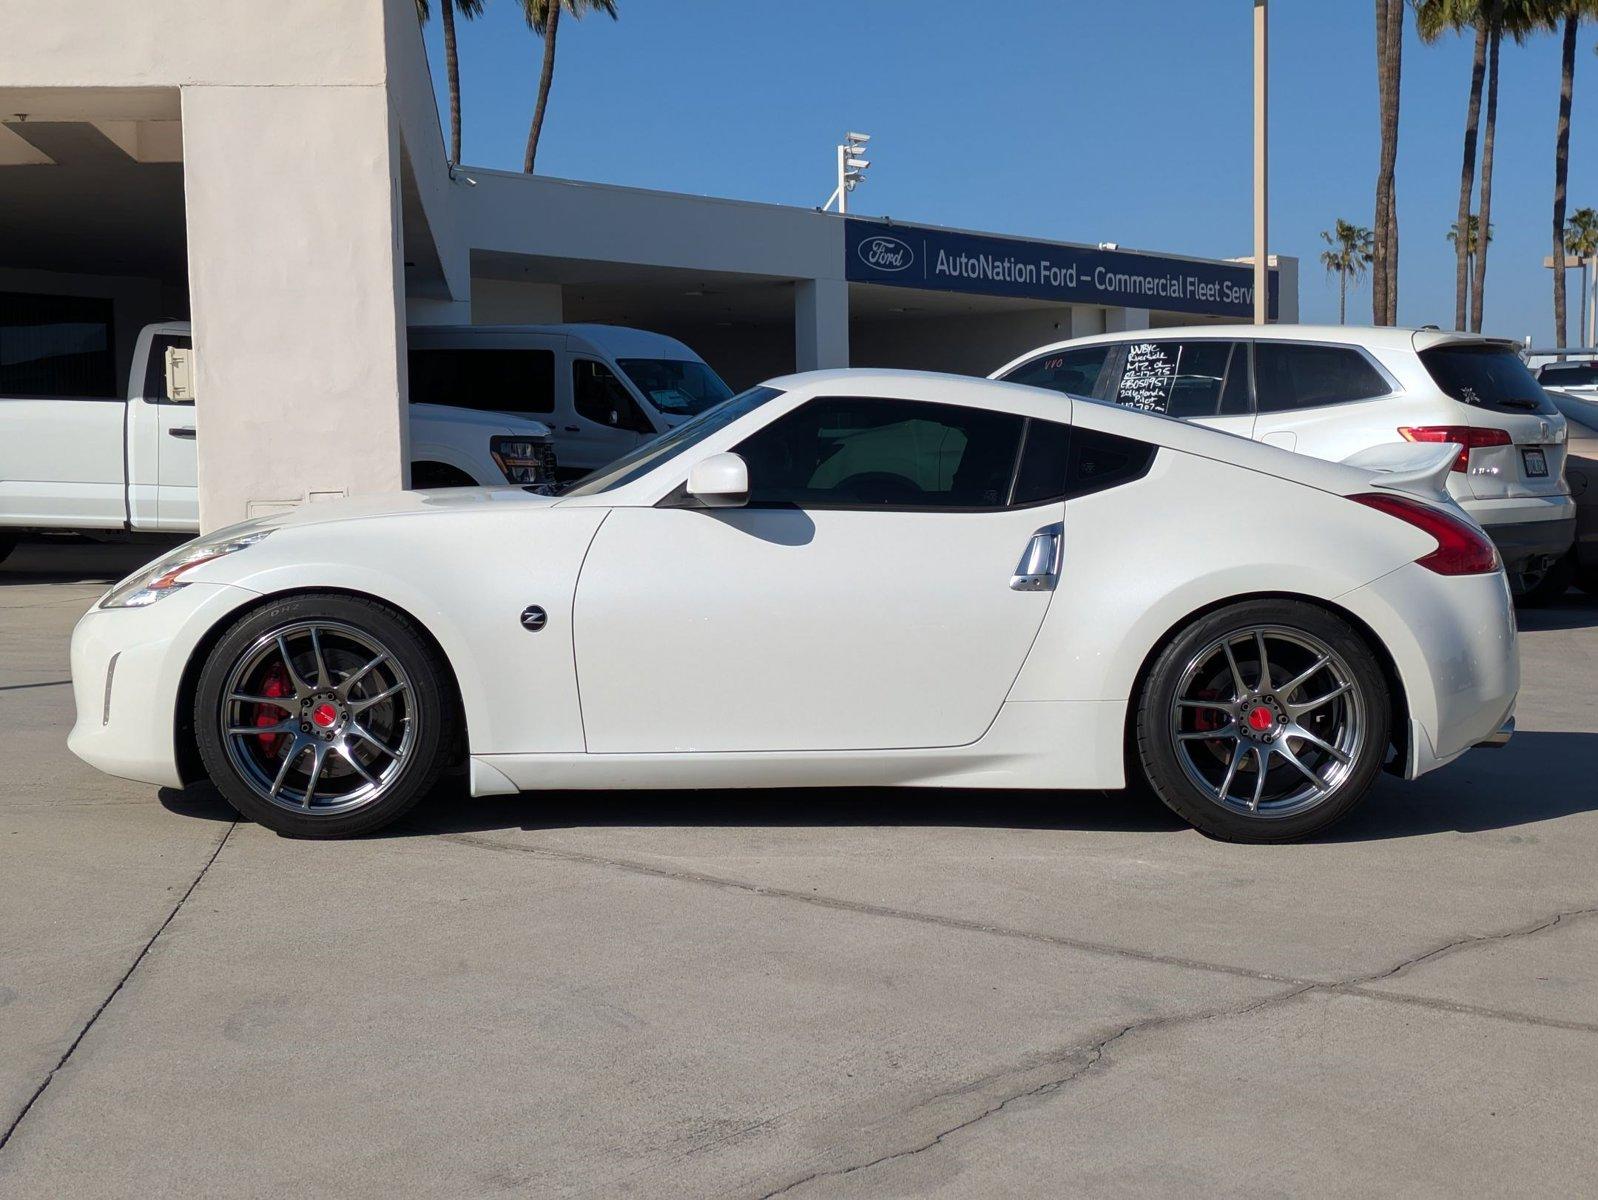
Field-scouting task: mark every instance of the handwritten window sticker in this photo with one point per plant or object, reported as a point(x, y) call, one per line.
point(1148, 376)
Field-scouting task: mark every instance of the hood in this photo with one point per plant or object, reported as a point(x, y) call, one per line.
point(471, 418)
point(397, 504)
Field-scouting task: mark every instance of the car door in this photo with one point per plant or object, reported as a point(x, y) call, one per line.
point(603, 421)
point(867, 597)
point(1202, 380)
point(1322, 400)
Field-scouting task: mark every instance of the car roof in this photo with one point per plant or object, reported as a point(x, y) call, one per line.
point(1370, 336)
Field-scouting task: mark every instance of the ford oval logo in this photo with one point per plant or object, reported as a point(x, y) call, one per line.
point(885, 253)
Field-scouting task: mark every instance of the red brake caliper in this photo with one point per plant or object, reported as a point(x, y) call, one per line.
point(275, 685)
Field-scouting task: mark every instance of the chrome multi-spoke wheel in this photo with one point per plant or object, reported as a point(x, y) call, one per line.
point(1264, 721)
point(1268, 720)
point(318, 716)
point(323, 715)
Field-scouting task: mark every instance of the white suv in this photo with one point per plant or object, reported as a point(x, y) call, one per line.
point(1332, 391)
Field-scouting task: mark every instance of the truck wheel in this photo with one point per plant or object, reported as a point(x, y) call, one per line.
point(1264, 721)
point(439, 475)
point(323, 716)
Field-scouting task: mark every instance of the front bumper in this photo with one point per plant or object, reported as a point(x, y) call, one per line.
point(127, 673)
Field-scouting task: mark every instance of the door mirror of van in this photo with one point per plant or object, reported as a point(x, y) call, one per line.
point(720, 481)
point(180, 374)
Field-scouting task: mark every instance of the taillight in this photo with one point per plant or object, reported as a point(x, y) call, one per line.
point(1467, 436)
point(1462, 549)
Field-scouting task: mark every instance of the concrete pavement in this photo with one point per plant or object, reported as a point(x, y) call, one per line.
point(809, 994)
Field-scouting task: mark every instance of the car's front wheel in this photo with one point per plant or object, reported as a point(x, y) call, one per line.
point(1264, 721)
point(323, 715)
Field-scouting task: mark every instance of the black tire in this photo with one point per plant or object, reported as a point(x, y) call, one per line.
point(1539, 589)
point(438, 475)
point(1355, 725)
point(418, 720)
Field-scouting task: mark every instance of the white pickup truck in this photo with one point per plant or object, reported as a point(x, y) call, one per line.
point(116, 466)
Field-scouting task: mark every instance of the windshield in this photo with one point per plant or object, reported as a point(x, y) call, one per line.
point(676, 387)
point(657, 450)
point(1487, 376)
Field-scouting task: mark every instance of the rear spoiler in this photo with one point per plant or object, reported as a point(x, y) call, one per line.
point(1417, 468)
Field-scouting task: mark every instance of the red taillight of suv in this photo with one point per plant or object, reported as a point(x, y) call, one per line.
point(1467, 436)
point(1462, 549)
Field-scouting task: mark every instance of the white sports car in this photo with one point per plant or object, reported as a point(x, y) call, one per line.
point(838, 578)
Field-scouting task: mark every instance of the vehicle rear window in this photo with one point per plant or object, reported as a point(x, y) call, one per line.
point(1292, 375)
point(488, 380)
point(1569, 375)
point(1488, 377)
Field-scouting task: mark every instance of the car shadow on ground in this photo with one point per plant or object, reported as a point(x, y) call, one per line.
point(78, 560)
point(1573, 610)
point(1538, 777)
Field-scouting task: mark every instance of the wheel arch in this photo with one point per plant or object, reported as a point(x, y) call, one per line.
point(186, 749)
point(1399, 724)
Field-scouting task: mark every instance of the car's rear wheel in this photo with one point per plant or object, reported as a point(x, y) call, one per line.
point(1264, 721)
point(323, 715)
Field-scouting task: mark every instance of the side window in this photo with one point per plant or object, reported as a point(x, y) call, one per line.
point(1103, 460)
point(1045, 459)
point(1074, 371)
point(600, 397)
point(508, 381)
point(154, 389)
point(56, 346)
point(1179, 379)
point(1289, 376)
point(841, 452)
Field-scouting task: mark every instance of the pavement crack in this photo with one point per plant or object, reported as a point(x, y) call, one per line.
point(1541, 925)
point(138, 959)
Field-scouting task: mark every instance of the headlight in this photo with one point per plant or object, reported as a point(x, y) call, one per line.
point(163, 577)
point(517, 457)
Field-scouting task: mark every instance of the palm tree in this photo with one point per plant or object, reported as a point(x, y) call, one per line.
point(1433, 18)
point(1348, 257)
point(1389, 64)
point(452, 66)
point(544, 18)
point(1569, 13)
point(1581, 240)
point(1472, 244)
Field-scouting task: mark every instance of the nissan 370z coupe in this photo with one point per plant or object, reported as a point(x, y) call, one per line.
point(838, 578)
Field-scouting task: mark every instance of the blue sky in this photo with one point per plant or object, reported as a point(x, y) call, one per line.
point(1072, 119)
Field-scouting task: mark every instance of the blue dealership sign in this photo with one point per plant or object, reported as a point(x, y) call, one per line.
point(945, 260)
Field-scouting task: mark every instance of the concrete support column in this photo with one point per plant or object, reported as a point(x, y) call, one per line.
point(295, 277)
point(820, 323)
point(1121, 320)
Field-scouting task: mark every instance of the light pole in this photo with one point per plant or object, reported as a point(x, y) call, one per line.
point(1262, 273)
point(851, 169)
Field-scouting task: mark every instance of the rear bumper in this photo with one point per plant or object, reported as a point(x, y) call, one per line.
point(1524, 528)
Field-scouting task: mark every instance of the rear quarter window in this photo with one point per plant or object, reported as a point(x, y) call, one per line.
point(1292, 375)
point(1486, 376)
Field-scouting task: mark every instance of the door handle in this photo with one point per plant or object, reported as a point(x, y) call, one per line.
point(181, 431)
point(1039, 567)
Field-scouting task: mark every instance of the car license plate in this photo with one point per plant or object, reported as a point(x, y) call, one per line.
point(1536, 463)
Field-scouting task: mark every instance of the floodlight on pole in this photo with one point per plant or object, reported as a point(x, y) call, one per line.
point(852, 165)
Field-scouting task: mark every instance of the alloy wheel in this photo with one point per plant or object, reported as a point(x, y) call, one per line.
point(1268, 721)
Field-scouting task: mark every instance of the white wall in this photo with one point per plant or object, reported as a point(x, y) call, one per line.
point(971, 344)
point(510, 302)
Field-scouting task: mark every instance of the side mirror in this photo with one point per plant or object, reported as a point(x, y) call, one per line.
point(179, 374)
point(720, 481)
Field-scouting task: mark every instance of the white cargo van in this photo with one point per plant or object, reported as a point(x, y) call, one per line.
point(76, 457)
point(601, 388)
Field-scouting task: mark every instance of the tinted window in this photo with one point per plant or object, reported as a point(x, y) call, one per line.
point(602, 398)
point(155, 367)
point(508, 381)
point(1179, 379)
point(873, 453)
point(1490, 376)
point(1569, 375)
point(1289, 376)
point(1074, 371)
point(56, 346)
point(1045, 457)
point(1102, 460)
point(674, 386)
